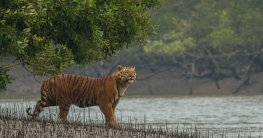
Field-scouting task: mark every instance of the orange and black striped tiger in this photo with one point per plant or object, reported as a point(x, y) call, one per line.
point(66, 89)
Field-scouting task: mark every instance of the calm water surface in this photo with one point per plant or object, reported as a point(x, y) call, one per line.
point(230, 114)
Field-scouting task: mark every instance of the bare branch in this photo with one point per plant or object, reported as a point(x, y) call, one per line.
point(212, 56)
point(11, 65)
point(27, 69)
point(246, 81)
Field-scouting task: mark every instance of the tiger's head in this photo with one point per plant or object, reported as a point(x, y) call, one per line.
point(127, 74)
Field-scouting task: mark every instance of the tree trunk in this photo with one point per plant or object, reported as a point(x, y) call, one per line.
point(191, 78)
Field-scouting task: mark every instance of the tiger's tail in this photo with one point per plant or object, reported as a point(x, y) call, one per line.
point(39, 105)
point(27, 111)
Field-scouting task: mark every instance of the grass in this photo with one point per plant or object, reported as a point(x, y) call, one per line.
point(14, 122)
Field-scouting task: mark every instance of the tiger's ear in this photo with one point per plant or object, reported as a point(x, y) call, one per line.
point(133, 67)
point(119, 67)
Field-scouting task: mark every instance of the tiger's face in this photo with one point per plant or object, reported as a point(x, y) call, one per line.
point(127, 74)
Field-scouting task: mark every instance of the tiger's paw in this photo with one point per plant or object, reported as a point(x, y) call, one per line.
point(113, 125)
point(65, 121)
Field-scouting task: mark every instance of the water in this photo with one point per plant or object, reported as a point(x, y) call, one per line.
point(231, 114)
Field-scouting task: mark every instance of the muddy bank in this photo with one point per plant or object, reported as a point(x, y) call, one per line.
point(14, 128)
point(29, 129)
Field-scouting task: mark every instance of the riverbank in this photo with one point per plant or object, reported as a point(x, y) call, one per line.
point(22, 128)
point(232, 116)
point(161, 82)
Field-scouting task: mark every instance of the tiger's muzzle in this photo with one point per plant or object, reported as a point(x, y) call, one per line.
point(131, 80)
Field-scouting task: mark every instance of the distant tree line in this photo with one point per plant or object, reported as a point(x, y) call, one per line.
point(213, 39)
point(198, 39)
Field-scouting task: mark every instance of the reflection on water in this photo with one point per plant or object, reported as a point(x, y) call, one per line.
point(231, 114)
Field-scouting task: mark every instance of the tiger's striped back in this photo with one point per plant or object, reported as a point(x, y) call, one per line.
point(79, 90)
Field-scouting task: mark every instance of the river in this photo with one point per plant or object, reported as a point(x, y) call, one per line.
point(232, 115)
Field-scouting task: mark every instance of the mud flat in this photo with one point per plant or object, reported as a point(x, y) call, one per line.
point(20, 128)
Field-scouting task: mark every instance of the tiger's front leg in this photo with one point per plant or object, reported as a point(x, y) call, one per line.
point(107, 110)
point(114, 105)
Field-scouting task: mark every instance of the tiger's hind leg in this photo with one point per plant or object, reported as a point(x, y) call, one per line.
point(63, 112)
point(44, 102)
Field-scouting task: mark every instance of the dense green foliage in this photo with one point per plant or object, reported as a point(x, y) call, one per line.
point(46, 36)
point(222, 38)
point(200, 38)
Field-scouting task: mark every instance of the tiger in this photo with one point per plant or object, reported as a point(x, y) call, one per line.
point(66, 89)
